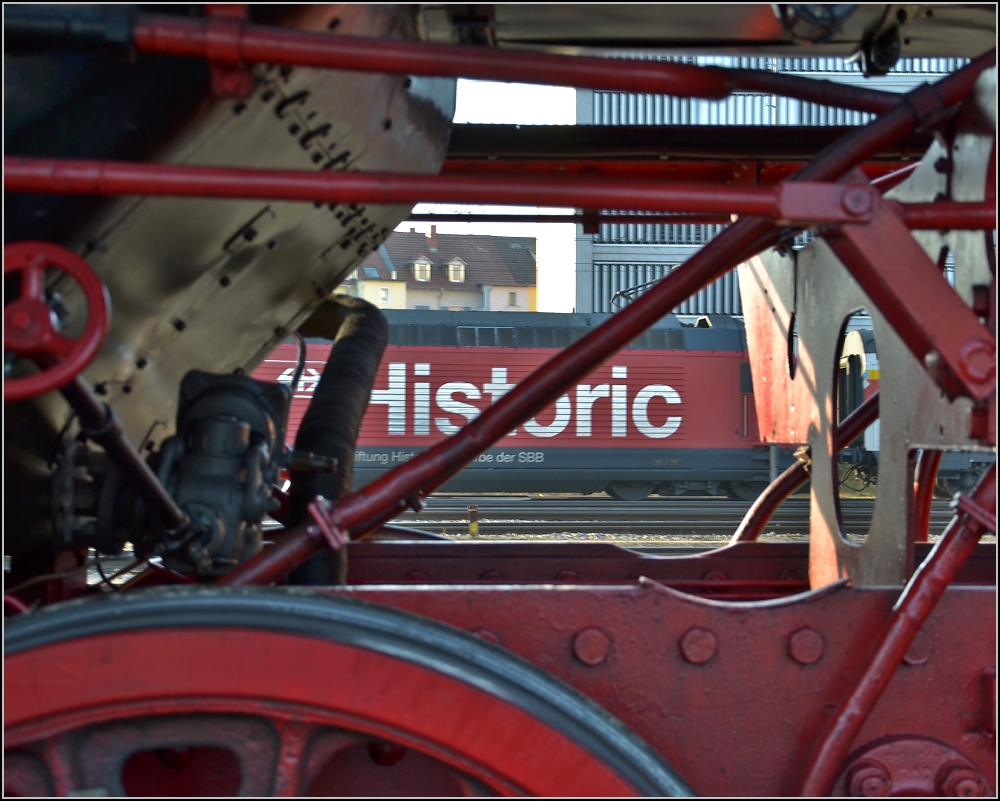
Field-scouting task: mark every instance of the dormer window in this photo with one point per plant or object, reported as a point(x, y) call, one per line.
point(456, 270)
point(422, 270)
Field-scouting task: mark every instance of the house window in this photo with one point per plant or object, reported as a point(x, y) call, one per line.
point(422, 270)
point(383, 294)
point(456, 271)
point(371, 272)
point(512, 298)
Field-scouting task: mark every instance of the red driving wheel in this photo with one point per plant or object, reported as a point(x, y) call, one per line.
point(27, 321)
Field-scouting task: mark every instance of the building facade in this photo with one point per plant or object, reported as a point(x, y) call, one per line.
point(622, 259)
point(449, 272)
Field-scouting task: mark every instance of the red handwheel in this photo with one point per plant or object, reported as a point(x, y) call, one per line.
point(27, 321)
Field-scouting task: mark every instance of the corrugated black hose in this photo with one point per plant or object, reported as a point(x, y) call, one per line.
point(332, 422)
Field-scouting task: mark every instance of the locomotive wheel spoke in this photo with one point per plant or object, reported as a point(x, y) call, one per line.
point(224, 691)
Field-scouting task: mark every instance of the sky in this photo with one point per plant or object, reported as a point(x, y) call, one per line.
point(521, 104)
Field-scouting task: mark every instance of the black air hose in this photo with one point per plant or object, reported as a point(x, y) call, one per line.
point(332, 422)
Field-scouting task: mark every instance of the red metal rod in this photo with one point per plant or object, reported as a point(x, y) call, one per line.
point(951, 216)
point(231, 41)
point(798, 474)
point(923, 492)
point(15, 603)
point(381, 500)
point(914, 606)
point(800, 201)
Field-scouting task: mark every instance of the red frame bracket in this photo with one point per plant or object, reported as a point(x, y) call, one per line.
point(910, 290)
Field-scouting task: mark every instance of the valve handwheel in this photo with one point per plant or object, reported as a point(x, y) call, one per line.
point(27, 321)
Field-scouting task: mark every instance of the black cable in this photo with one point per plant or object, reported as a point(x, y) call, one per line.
point(300, 367)
point(100, 570)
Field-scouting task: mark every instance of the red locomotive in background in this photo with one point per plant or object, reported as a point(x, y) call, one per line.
point(672, 414)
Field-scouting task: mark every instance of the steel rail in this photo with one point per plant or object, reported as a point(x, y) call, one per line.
point(234, 42)
point(798, 474)
point(915, 604)
point(405, 485)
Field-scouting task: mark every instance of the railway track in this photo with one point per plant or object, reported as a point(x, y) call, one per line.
point(666, 518)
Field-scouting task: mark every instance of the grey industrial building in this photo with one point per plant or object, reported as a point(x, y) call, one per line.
point(623, 257)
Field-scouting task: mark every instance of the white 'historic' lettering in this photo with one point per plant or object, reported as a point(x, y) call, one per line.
point(640, 411)
point(585, 399)
point(444, 398)
point(564, 411)
point(395, 398)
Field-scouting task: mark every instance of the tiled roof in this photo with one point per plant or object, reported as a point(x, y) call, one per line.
point(486, 259)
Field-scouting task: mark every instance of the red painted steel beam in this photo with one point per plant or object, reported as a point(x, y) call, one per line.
point(789, 203)
point(914, 606)
point(798, 474)
point(384, 498)
point(228, 41)
point(909, 289)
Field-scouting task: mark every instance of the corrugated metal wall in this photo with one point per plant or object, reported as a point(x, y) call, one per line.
point(616, 285)
point(617, 108)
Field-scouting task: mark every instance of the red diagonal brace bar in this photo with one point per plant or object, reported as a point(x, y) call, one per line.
point(909, 289)
point(800, 203)
point(383, 499)
point(273, 45)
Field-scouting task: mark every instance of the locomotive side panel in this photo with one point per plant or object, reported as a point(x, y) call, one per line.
point(647, 415)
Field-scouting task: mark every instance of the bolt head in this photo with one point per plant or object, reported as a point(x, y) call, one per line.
point(960, 781)
point(591, 646)
point(698, 645)
point(919, 651)
point(857, 200)
point(805, 646)
point(869, 779)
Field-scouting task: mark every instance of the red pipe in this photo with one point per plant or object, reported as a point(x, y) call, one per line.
point(923, 492)
point(230, 41)
point(387, 496)
point(798, 474)
point(951, 216)
point(15, 603)
point(914, 606)
point(801, 201)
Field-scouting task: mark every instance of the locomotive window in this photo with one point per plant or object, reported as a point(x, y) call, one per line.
point(657, 339)
point(448, 337)
point(505, 337)
point(487, 337)
point(395, 334)
point(675, 339)
point(526, 337)
point(543, 336)
point(466, 336)
point(427, 334)
point(563, 337)
point(641, 342)
point(409, 335)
